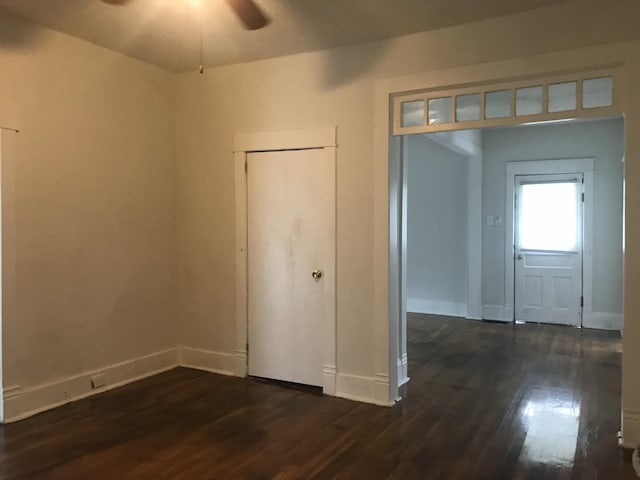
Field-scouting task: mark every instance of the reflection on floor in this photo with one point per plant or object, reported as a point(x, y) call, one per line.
point(551, 423)
point(534, 401)
point(485, 401)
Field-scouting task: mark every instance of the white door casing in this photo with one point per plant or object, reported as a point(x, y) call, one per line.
point(548, 249)
point(386, 157)
point(584, 166)
point(244, 145)
point(290, 237)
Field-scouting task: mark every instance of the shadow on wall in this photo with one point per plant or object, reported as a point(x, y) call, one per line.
point(341, 65)
point(340, 20)
point(17, 35)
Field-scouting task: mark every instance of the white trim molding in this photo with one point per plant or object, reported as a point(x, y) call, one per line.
point(364, 389)
point(285, 140)
point(544, 81)
point(434, 307)
point(403, 369)
point(497, 313)
point(245, 143)
point(602, 320)
point(240, 363)
point(20, 403)
point(620, 55)
point(207, 360)
point(9, 393)
point(329, 379)
point(584, 166)
point(8, 258)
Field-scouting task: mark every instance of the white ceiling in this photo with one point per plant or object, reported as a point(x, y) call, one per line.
point(166, 32)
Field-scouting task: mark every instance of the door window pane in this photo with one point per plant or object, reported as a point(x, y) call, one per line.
point(548, 216)
point(467, 107)
point(413, 113)
point(439, 110)
point(562, 97)
point(528, 101)
point(497, 104)
point(597, 92)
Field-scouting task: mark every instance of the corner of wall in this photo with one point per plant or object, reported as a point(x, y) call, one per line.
point(21, 403)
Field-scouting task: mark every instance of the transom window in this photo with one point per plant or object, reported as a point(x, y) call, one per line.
point(567, 96)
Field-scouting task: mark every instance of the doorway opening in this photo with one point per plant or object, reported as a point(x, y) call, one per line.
point(474, 206)
point(504, 231)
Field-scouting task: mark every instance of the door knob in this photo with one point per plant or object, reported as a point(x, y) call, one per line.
point(317, 274)
point(519, 257)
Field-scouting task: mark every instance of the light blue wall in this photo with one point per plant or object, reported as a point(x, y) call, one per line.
point(436, 227)
point(602, 140)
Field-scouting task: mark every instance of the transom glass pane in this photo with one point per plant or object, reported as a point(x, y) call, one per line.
point(597, 92)
point(548, 216)
point(468, 107)
point(528, 101)
point(412, 113)
point(439, 110)
point(562, 97)
point(497, 104)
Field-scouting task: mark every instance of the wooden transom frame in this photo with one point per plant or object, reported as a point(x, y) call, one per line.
point(510, 85)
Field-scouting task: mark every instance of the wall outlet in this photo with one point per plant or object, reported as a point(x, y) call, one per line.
point(98, 381)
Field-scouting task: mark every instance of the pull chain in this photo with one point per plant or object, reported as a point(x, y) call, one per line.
point(201, 70)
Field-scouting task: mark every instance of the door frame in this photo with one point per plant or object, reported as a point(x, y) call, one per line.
point(386, 153)
point(243, 144)
point(583, 166)
point(520, 255)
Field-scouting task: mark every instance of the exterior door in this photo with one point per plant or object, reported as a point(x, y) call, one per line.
point(291, 266)
point(548, 249)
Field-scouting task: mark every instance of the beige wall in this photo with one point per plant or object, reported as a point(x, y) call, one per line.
point(103, 144)
point(332, 87)
point(91, 195)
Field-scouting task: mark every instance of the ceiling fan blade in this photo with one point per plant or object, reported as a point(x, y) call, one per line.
point(249, 14)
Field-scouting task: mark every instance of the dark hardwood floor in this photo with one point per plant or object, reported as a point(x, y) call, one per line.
point(485, 401)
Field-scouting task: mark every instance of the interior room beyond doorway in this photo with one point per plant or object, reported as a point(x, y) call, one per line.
point(445, 224)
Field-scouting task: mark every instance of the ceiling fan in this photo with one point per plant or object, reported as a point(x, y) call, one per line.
point(247, 11)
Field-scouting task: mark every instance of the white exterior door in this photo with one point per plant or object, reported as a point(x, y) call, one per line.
point(548, 248)
point(291, 262)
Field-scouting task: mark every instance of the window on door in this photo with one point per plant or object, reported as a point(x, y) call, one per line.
point(549, 213)
point(548, 249)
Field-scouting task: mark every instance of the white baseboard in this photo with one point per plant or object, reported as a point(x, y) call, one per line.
point(21, 403)
point(450, 309)
point(602, 320)
point(240, 363)
point(329, 375)
point(210, 361)
point(498, 313)
point(630, 429)
point(403, 367)
point(373, 390)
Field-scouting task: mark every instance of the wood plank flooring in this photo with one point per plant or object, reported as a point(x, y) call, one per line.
point(485, 401)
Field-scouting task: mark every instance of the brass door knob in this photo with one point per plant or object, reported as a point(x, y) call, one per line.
point(317, 274)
